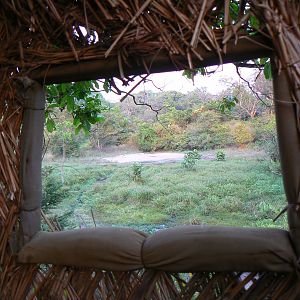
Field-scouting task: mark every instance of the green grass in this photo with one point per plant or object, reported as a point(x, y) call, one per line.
point(235, 192)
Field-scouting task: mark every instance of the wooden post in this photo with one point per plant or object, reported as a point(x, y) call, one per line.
point(287, 114)
point(31, 157)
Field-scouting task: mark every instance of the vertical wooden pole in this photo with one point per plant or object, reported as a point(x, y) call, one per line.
point(31, 157)
point(289, 148)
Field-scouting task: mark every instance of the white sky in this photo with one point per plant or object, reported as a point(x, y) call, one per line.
point(174, 81)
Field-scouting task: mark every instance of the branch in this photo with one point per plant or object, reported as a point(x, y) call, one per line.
point(250, 87)
point(249, 65)
point(146, 104)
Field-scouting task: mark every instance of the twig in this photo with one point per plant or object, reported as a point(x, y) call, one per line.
point(48, 222)
point(146, 104)
point(93, 217)
point(133, 88)
point(251, 88)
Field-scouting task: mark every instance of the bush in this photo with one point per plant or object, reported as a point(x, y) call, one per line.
point(146, 137)
point(220, 155)
point(266, 136)
point(221, 135)
point(243, 133)
point(113, 131)
point(64, 142)
point(52, 188)
point(190, 159)
point(169, 138)
point(209, 133)
point(72, 146)
point(137, 172)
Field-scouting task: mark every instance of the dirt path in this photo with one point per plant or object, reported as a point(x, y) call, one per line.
point(167, 157)
point(158, 157)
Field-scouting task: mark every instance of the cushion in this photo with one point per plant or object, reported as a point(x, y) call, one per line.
point(214, 248)
point(109, 248)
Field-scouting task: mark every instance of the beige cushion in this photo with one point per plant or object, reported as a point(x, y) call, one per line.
point(116, 249)
point(214, 248)
point(179, 249)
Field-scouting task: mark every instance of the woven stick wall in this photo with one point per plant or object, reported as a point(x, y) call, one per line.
point(46, 33)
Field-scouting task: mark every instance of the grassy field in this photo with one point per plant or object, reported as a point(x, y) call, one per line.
point(236, 192)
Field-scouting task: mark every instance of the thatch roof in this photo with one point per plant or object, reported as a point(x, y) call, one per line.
point(47, 33)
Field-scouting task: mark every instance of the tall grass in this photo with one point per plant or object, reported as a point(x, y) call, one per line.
point(236, 192)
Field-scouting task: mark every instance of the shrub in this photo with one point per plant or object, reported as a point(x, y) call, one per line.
point(64, 142)
point(52, 188)
point(242, 133)
point(197, 139)
point(146, 137)
point(208, 131)
point(204, 137)
point(221, 135)
point(170, 138)
point(137, 172)
point(220, 155)
point(114, 130)
point(266, 136)
point(190, 159)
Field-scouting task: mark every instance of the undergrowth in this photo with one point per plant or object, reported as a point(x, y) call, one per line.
point(235, 192)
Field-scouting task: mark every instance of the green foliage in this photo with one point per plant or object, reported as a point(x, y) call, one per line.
point(228, 103)
point(226, 192)
point(190, 74)
point(267, 70)
point(137, 172)
point(185, 122)
point(77, 98)
point(266, 136)
point(266, 63)
point(208, 132)
point(52, 188)
point(254, 22)
point(190, 159)
point(63, 141)
point(113, 131)
point(177, 117)
point(243, 133)
point(220, 155)
point(146, 137)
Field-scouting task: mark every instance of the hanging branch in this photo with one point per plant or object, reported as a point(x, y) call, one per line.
point(251, 88)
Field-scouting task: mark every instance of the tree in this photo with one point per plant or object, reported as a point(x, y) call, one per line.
point(78, 99)
point(114, 130)
point(63, 141)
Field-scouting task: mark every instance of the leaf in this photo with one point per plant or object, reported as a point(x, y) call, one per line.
point(70, 104)
point(96, 84)
point(63, 87)
point(79, 100)
point(263, 60)
point(268, 71)
point(50, 125)
point(254, 22)
point(52, 105)
point(188, 74)
point(76, 121)
point(100, 118)
point(106, 86)
point(77, 129)
point(234, 10)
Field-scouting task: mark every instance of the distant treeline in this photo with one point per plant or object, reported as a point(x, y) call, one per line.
point(176, 121)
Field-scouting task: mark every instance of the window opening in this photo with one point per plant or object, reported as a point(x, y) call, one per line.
point(202, 156)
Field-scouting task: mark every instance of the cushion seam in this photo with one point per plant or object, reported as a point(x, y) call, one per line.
point(141, 254)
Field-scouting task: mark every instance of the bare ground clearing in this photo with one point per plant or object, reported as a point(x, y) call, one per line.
point(167, 157)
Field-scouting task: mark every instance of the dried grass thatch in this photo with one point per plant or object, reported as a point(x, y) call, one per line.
point(35, 33)
point(46, 33)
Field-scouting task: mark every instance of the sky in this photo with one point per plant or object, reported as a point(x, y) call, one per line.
point(174, 81)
